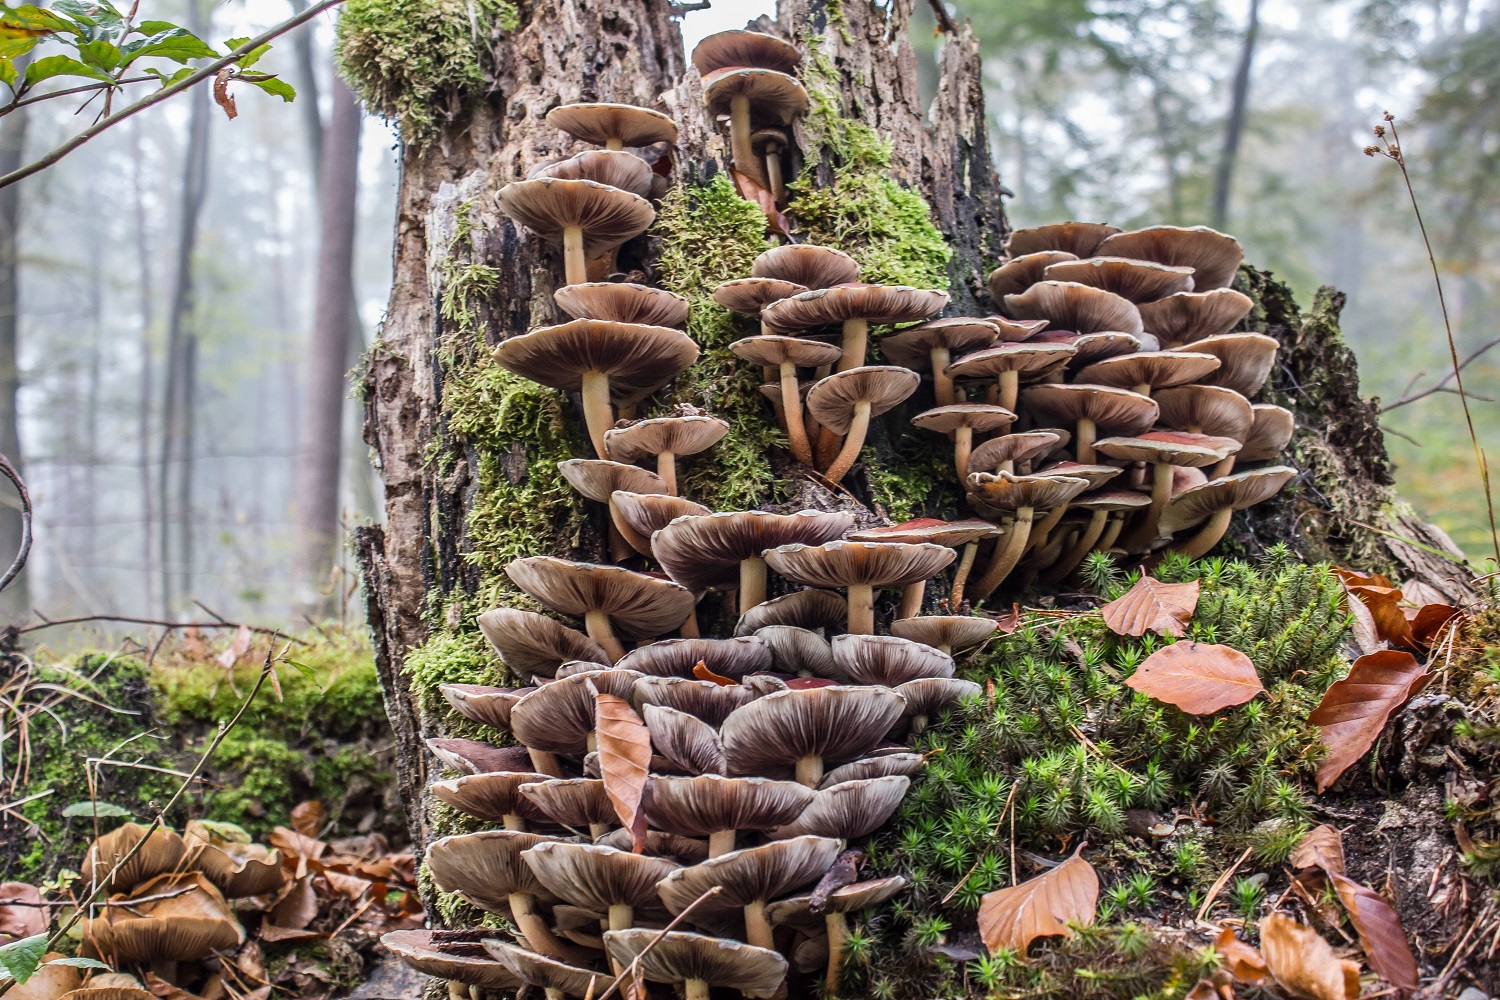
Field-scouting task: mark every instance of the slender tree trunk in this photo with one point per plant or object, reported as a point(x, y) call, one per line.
point(146, 289)
point(1234, 125)
point(16, 600)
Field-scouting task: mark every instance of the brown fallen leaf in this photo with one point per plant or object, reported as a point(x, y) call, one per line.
point(163, 990)
point(702, 672)
point(1354, 710)
point(308, 818)
point(1041, 907)
point(1198, 677)
point(1427, 625)
point(1203, 990)
point(1010, 621)
point(1303, 963)
point(17, 919)
point(1365, 635)
point(296, 909)
point(1322, 847)
point(1354, 578)
point(1153, 606)
point(1241, 960)
point(751, 190)
point(624, 762)
point(1384, 604)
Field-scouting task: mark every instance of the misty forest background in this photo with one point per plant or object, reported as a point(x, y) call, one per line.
point(163, 305)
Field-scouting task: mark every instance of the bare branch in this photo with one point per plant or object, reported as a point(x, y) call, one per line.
point(1441, 384)
point(156, 623)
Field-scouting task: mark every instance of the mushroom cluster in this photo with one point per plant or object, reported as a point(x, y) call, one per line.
point(748, 78)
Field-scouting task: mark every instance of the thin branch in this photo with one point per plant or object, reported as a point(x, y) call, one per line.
point(712, 890)
point(1439, 386)
point(182, 891)
point(944, 19)
point(19, 562)
point(197, 76)
point(86, 88)
point(156, 623)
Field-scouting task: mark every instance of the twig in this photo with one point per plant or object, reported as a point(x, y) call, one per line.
point(19, 562)
point(944, 19)
point(712, 890)
point(13, 105)
point(1213, 892)
point(157, 623)
point(1438, 386)
point(173, 894)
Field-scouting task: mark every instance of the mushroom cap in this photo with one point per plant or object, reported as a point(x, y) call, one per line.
point(597, 478)
point(838, 724)
point(740, 47)
point(1013, 331)
point(1236, 491)
point(1114, 500)
point(474, 757)
point(637, 358)
point(751, 875)
point(162, 853)
point(797, 911)
point(888, 659)
point(772, 350)
point(614, 167)
point(1211, 409)
point(1269, 436)
point(872, 303)
point(708, 803)
point(800, 651)
point(1169, 448)
point(483, 703)
point(639, 605)
point(573, 802)
point(1136, 280)
point(832, 400)
point(749, 295)
point(236, 869)
point(775, 97)
point(596, 877)
point(685, 741)
point(1024, 446)
point(1157, 369)
point(1023, 358)
point(705, 552)
point(1188, 316)
point(547, 206)
point(417, 949)
point(622, 302)
point(1097, 475)
point(491, 796)
point(573, 667)
point(599, 123)
point(878, 766)
point(1019, 273)
point(1113, 410)
point(1214, 257)
point(530, 643)
point(1091, 347)
point(683, 850)
point(1004, 492)
point(913, 346)
point(847, 810)
point(807, 264)
point(645, 513)
point(871, 564)
point(709, 701)
point(677, 657)
point(957, 632)
point(1071, 306)
point(930, 529)
point(810, 609)
point(931, 695)
point(762, 140)
point(545, 973)
point(678, 956)
point(183, 928)
point(486, 867)
point(680, 435)
point(1078, 238)
point(982, 417)
point(1245, 359)
point(558, 717)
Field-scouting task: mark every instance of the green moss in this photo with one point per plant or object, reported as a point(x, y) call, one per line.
point(408, 59)
point(261, 778)
point(451, 657)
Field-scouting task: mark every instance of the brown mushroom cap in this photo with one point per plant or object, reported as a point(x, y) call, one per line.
point(732, 658)
point(775, 97)
point(1157, 369)
point(1080, 308)
point(1113, 410)
point(878, 766)
point(807, 264)
point(709, 803)
point(622, 302)
point(639, 606)
point(929, 529)
point(545, 973)
point(1113, 500)
point(1023, 358)
point(751, 875)
point(637, 358)
point(810, 609)
point(1236, 492)
point(763, 141)
point(749, 295)
point(607, 215)
point(836, 724)
point(872, 303)
point(486, 867)
point(1206, 409)
point(982, 417)
point(483, 703)
point(1269, 436)
point(162, 853)
point(957, 632)
point(1188, 316)
point(580, 667)
point(559, 717)
point(847, 810)
point(624, 123)
point(645, 513)
point(1013, 331)
point(474, 757)
point(745, 48)
point(597, 478)
point(1020, 273)
point(182, 928)
point(530, 643)
point(236, 869)
point(1091, 347)
point(1214, 257)
point(1078, 238)
point(447, 960)
point(678, 956)
point(596, 877)
point(888, 659)
point(871, 564)
point(773, 350)
point(1136, 280)
point(683, 850)
point(680, 435)
point(797, 911)
point(709, 701)
point(1095, 475)
point(1007, 493)
point(832, 400)
point(927, 696)
point(1169, 448)
point(800, 651)
point(578, 803)
point(685, 741)
point(614, 167)
point(491, 796)
point(1025, 446)
point(705, 552)
point(912, 347)
point(1246, 360)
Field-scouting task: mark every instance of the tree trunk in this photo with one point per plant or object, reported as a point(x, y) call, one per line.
point(1234, 124)
point(16, 600)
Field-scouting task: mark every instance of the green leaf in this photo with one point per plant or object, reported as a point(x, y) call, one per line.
point(176, 44)
point(10, 48)
point(7, 71)
point(101, 54)
point(166, 79)
point(104, 810)
point(249, 58)
point(81, 963)
point(271, 85)
point(155, 27)
point(303, 669)
point(21, 958)
point(92, 12)
point(51, 66)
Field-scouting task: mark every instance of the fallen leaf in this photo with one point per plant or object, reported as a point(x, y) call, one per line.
point(19, 921)
point(352, 886)
point(624, 762)
point(702, 672)
point(1428, 623)
point(1362, 625)
point(308, 818)
point(277, 934)
point(1241, 960)
point(236, 650)
point(221, 92)
point(1384, 604)
point(1303, 963)
point(751, 190)
point(1203, 990)
point(1008, 623)
point(1322, 847)
point(1198, 677)
point(163, 990)
point(1152, 606)
point(296, 909)
point(1040, 907)
point(1354, 578)
point(1354, 710)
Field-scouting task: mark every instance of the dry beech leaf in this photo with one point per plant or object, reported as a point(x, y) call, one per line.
point(308, 818)
point(1241, 960)
point(17, 919)
point(1354, 578)
point(624, 761)
point(1040, 907)
point(702, 672)
point(1355, 709)
point(163, 990)
point(1303, 963)
point(1427, 624)
point(1362, 629)
point(751, 190)
point(1385, 608)
point(1323, 847)
point(1153, 606)
point(298, 908)
point(1198, 677)
point(1009, 622)
point(1203, 990)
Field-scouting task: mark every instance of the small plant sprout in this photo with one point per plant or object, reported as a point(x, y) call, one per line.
point(1245, 896)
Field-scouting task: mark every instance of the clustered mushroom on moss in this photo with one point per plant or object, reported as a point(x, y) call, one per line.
point(774, 750)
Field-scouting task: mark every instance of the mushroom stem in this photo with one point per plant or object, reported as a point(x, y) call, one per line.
point(543, 762)
point(513, 822)
point(621, 916)
point(1070, 559)
point(740, 149)
point(963, 445)
point(596, 624)
point(1144, 388)
point(720, 842)
point(1208, 536)
point(1010, 387)
point(1224, 468)
point(689, 627)
point(553, 994)
point(861, 609)
point(1043, 530)
point(457, 990)
point(942, 382)
point(695, 989)
point(752, 583)
point(1006, 554)
point(757, 927)
point(918, 724)
point(1083, 444)
point(597, 830)
point(575, 265)
point(538, 937)
point(1140, 539)
point(911, 599)
point(1111, 532)
point(773, 171)
point(613, 142)
point(961, 576)
point(856, 343)
point(853, 442)
point(666, 468)
point(838, 934)
point(596, 410)
point(165, 969)
point(810, 771)
point(826, 448)
point(791, 408)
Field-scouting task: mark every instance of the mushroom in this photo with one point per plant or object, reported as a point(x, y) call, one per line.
point(622, 302)
point(931, 345)
point(1011, 452)
point(1188, 316)
point(806, 264)
point(698, 962)
point(613, 126)
point(1090, 408)
point(800, 652)
point(804, 911)
point(1214, 257)
point(685, 741)
point(854, 306)
point(965, 534)
point(586, 217)
point(786, 355)
point(767, 143)
point(847, 810)
point(740, 91)
point(1020, 496)
point(962, 421)
point(889, 660)
point(1268, 436)
point(1163, 450)
point(1245, 359)
point(494, 797)
point(555, 979)
point(1136, 280)
point(878, 766)
point(616, 168)
point(602, 879)
point(1079, 308)
point(576, 803)
point(1091, 347)
point(1206, 409)
point(1107, 513)
point(949, 633)
point(1006, 364)
point(596, 358)
point(732, 658)
point(531, 644)
point(927, 696)
point(465, 961)
point(806, 729)
point(665, 438)
point(597, 479)
point(716, 807)
point(708, 701)
point(192, 922)
point(740, 47)
point(1147, 371)
point(723, 551)
point(861, 568)
point(817, 610)
point(1080, 239)
point(748, 296)
point(162, 853)
point(1019, 273)
point(1013, 331)
point(645, 513)
point(607, 598)
point(1215, 501)
point(481, 703)
point(559, 718)
point(748, 878)
point(845, 401)
point(474, 757)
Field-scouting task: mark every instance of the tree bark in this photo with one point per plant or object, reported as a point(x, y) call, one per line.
point(1234, 124)
point(15, 600)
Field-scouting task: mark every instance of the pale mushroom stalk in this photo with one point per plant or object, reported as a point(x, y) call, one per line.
point(961, 576)
point(597, 414)
point(720, 842)
point(1042, 532)
point(1008, 387)
point(752, 589)
point(666, 467)
point(538, 935)
point(614, 142)
point(1208, 536)
point(856, 343)
point(1070, 559)
point(1007, 553)
point(827, 447)
point(1161, 491)
point(597, 830)
point(1111, 533)
point(838, 937)
point(621, 916)
point(1144, 388)
point(695, 989)
point(773, 171)
point(853, 441)
point(963, 446)
point(942, 383)
point(596, 624)
point(629, 535)
point(861, 609)
point(575, 264)
point(911, 599)
point(689, 627)
point(1224, 468)
point(791, 411)
point(741, 149)
point(1083, 441)
point(757, 926)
